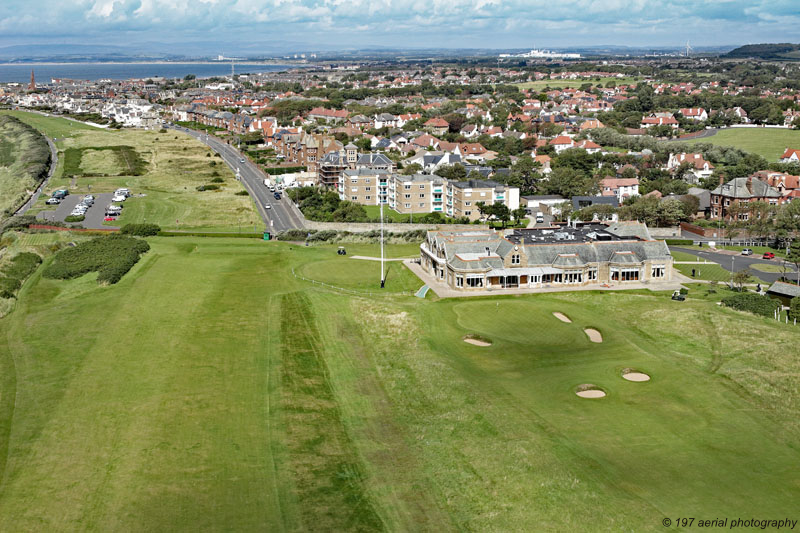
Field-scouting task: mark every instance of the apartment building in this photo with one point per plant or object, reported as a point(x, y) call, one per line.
point(462, 197)
point(419, 193)
point(334, 163)
point(365, 186)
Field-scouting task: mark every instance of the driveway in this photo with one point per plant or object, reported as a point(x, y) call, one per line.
point(94, 215)
point(734, 262)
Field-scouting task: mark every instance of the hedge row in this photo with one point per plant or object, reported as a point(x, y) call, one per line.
point(140, 230)
point(336, 236)
point(753, 303)
point(111, 256)
point(276, 171)
point(679, 242)
point(205, 234)
point(13, 274)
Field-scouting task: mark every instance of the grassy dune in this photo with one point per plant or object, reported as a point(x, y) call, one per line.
point(211, 390)
point(24, 158)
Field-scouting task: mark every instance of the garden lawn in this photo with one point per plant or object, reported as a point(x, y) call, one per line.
point(211, 390)
point(175, 165)
point(767, 142)
point(711, 271)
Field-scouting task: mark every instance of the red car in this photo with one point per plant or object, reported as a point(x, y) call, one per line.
point(109, 219)
point(768, 255)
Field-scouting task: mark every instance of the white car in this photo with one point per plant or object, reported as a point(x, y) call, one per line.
point(267, 206)
point(119, 198)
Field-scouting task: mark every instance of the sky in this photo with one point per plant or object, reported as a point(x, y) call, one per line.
point(341, 24)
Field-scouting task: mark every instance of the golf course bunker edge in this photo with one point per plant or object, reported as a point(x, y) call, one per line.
point(587, 390)
point(631, 374)
point(562, 317)
point(477, 340)
point(593, 334)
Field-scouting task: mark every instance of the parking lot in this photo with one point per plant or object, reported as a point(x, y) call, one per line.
point(94, 215)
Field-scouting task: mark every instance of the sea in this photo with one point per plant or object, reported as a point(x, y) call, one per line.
point(44, 72)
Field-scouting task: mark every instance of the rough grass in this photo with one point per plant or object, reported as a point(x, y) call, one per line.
point(210, 390)
point(767, 142)
point(171, 168)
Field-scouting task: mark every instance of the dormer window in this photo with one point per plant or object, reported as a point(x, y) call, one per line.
point(515, 259)
point(487, 251)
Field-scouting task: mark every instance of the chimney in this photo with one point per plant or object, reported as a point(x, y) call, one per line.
point(721, 179)
point(749, 184)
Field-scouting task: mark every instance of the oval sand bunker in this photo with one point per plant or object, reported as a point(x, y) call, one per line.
point(593, 335)
point(590, 391)
point(562, 317)
point(636, 376)
point(477, 342)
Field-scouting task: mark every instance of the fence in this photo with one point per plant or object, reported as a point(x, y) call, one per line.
point(354, 292)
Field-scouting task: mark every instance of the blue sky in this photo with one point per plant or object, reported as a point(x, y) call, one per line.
point(402, 23)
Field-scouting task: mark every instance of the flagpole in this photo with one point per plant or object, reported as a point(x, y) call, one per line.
point(383, 277)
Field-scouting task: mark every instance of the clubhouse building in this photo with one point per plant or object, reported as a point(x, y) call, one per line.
point(573, 255)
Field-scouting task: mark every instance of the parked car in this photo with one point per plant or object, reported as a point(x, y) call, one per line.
point(109, 219)
point(747, 251)
point(53, 201)
point(768, 255)
point(60, 193)
point(119, 198)
point(122, 192)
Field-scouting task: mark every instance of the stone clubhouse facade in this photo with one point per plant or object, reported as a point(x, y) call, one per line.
point(574, 255)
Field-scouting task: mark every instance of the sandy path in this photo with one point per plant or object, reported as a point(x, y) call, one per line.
point(562, 317)
point(592, 393)
point(593, 334)
point(477, 342)
point(636, 376)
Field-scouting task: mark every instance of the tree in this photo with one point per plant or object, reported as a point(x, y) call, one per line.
point(794, 255)
point(502, 213)
point(567, 182)
point(519, 213)
point(413, 168)
point(740, 278)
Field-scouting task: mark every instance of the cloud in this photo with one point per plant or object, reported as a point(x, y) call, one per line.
point(455, 23)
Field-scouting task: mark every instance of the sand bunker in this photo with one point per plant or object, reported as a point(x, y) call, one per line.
point(593, 335)
point(562, 317)
point(633, 375)
point(477, 341)
point(590, 391)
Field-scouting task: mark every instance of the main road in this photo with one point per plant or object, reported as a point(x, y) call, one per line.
point(281, 214)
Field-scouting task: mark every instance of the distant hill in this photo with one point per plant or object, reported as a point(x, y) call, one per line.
point(767, 51)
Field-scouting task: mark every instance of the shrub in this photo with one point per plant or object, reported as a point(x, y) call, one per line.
point(110, 256)
point(22, 265)
point(208, 187)
point(241, 193)
point(75, 218)
point(294, 235)
point(218, 180)
point(684, 291)
point(162, 130)
point(794, 308)
point(679, 242)
point(9, 287)
point(140, 230)
point(752, 303)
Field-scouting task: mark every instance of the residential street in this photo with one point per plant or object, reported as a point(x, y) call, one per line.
point(282, 214)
